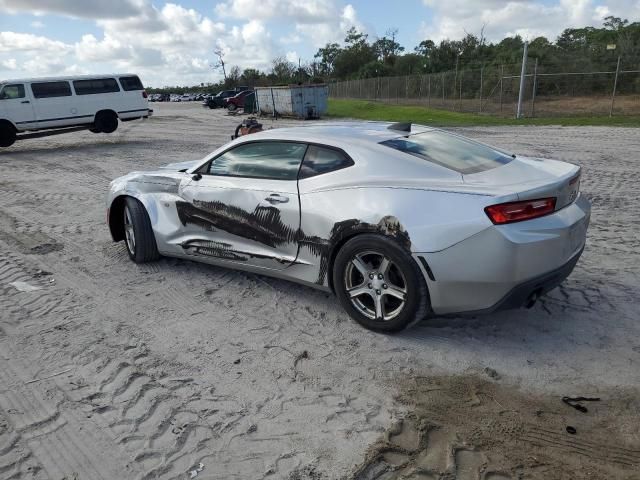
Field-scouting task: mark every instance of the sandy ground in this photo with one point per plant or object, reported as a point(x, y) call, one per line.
point(111, 370)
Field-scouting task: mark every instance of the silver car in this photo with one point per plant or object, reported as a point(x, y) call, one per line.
point(401, 221)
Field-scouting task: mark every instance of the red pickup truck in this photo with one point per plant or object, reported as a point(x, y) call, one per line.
point(237, 101)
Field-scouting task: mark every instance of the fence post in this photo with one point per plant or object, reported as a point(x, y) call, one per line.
point(481, 79)
point(460, 98)
point(501, 80)
point(522, 78)
point(535, 86)
point(615, 85)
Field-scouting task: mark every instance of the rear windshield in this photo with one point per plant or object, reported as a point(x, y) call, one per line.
point(450, 151)
point(131, 83)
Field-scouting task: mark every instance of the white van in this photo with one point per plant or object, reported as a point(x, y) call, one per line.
point(95, 101)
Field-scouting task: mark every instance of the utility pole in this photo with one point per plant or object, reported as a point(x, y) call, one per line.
point(522, 78)
point(615, 85)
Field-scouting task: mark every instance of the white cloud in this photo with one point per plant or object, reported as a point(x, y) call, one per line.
point(298, 11)
point(9, 64)
point(37, 24)
point(331, 31)
point(25, 42)
point(528, 18)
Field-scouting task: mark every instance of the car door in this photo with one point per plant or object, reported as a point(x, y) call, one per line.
point(244, 205)
point(16, 106)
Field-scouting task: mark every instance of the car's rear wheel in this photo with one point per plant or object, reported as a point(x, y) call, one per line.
point(7, 135)
point(231, 107)
point(106, 122)
point(379, 284)
point(138, 234)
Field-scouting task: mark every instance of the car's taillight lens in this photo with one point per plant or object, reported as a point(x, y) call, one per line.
point(144, 94)
point(519, 211)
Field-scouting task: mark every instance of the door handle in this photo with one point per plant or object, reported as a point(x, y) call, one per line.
point(25, 101)
point(275, 198)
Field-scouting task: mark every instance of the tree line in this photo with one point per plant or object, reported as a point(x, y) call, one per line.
point(576, 49)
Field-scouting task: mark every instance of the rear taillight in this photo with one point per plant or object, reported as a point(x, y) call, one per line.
point(518, 211)
point(144, 94)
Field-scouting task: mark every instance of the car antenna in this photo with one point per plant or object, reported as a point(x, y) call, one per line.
point(400, 126)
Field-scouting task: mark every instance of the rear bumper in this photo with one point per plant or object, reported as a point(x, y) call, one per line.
point(501, 266)
point(521, 295)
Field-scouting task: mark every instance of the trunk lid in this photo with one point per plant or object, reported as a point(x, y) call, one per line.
point(531, 178)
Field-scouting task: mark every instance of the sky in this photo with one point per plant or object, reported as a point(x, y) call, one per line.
point(172, 43)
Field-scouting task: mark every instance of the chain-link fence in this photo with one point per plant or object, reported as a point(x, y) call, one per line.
point(548, 90)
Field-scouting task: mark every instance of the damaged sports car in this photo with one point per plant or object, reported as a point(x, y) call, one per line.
point(400, 221)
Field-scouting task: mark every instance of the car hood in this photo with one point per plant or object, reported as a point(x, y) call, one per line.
point(178, 166)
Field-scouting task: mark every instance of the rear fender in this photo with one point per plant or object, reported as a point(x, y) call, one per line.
point(419, 220)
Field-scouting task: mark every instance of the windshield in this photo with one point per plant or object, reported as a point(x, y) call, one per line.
point(450, 151)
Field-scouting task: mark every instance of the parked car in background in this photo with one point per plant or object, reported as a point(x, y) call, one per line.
point(217, 101)
point(237, 101)
point(341, 207)
point(95, 101)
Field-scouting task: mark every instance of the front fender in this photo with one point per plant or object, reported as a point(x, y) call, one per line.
point(157, 193)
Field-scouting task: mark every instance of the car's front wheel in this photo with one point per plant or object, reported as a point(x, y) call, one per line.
point(138, 234)
point(379, 284)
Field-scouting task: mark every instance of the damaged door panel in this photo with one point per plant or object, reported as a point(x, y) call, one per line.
point(240, 221)
point(243, 206)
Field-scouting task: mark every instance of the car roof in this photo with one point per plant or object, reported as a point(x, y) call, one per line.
point(67, 78)
point(335, 133)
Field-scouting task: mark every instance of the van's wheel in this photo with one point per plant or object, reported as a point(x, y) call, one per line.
point(106, 122)
point(138, 234)
point(7, 135)
point(379, 284)
point(94, 130)
point(231, 107)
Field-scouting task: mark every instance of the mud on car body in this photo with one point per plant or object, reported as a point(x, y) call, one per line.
point(400, 221)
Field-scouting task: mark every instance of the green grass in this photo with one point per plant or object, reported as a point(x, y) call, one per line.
point(365, 110)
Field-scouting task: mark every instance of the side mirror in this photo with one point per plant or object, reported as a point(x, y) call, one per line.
point(196, 177)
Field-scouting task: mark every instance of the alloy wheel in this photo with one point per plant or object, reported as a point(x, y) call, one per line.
point(375, 285)
point(129, 233)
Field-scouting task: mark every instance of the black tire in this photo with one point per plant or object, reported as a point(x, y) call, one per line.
point(403, 270)
point(94, 130)
point(106, 122)
point(7, 135)
point(231, 107)
point(144, 248)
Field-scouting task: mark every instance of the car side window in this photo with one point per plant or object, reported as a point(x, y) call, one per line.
point(319, 160)
point(51, 89)
point(271, 160)
point(12, 91)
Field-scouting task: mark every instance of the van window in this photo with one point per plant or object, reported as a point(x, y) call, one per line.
point(51, 89)
point(93, 86)
point(12, 91)
point(131, 83)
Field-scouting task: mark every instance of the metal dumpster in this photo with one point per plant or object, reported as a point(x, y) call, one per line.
point(300, 101)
